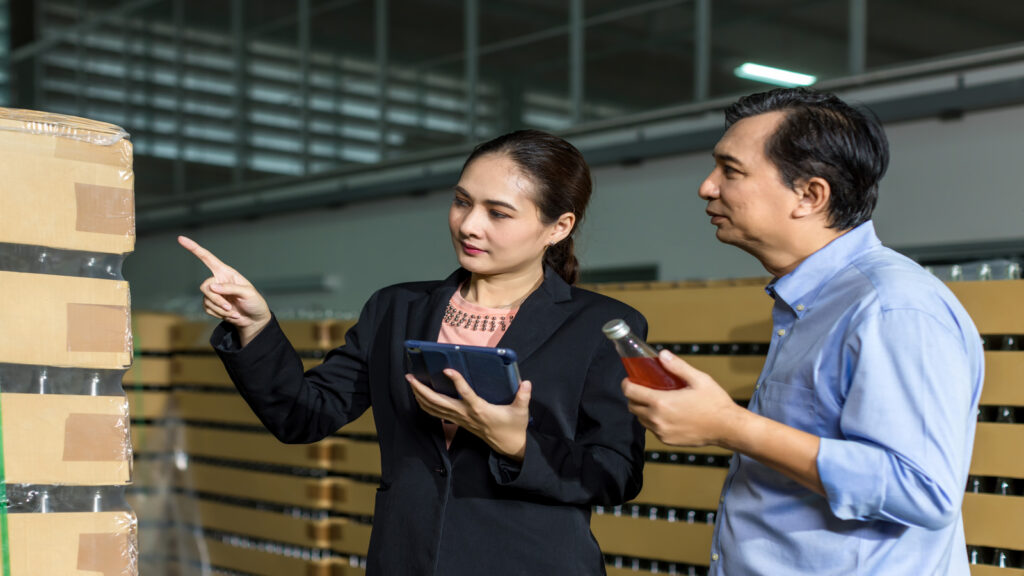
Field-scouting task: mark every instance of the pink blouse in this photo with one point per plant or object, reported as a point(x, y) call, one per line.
point(471, 325)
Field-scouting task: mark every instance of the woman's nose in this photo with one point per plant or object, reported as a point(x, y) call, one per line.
point(470, 223)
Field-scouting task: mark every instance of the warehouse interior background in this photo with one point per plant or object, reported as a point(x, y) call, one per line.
point(312, 144)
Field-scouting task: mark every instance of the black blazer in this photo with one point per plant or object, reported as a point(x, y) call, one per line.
point(466, 510)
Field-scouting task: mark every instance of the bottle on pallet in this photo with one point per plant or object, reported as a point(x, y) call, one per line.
point(977, 485)
point(1006, 415)
point(1005, 487)
point(1002, 558)
point(976, 555)
point(640, 360)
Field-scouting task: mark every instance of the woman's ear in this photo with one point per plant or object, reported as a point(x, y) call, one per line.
point(561, 228)
point(814, 195)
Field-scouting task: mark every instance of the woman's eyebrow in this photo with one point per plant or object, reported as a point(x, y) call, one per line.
point(501, 203)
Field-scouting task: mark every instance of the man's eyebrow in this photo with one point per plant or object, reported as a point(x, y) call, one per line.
point(460, 189)
point(722, 157)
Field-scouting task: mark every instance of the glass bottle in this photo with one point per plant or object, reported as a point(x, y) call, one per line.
point(1005, 487)
point(640, 360)
point(1006, 415)
point(976, 555)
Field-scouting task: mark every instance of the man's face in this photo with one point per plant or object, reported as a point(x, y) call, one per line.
point(747, 199)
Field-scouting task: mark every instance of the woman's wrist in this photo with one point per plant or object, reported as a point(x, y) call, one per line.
point(249, 333)
point(514, 448)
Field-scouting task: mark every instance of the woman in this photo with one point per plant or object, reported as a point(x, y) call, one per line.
point(468, 487)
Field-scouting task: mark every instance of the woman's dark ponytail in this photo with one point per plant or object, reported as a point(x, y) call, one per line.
point(562, 183)
point(561, 258)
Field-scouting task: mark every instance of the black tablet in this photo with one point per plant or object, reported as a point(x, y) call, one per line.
point(492, 372)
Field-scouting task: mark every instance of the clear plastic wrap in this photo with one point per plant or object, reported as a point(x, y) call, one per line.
point(46, 260)
point(69, 530)
point(61, 126)
point(66, 223)
point(68, 183)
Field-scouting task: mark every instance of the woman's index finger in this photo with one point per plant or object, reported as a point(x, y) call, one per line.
point(205, 256)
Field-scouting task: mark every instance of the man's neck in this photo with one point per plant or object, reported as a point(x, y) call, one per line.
point(782, 260)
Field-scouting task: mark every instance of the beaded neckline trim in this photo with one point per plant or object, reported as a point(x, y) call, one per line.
point(481, 322)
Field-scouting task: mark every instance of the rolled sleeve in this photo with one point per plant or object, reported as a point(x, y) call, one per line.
point(905, 440)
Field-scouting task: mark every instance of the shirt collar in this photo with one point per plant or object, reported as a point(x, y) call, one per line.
point(799, 288)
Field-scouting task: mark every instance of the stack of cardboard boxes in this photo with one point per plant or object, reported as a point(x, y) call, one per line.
point(66, 223)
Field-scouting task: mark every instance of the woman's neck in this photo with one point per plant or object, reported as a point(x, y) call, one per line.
point(501, 290)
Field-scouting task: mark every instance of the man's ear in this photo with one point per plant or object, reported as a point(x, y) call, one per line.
point(814, 195)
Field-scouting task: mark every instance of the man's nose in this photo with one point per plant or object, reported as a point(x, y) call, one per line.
point(708, 189)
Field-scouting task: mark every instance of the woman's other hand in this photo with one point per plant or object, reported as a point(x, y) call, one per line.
point(227, 295)
point(502, 427)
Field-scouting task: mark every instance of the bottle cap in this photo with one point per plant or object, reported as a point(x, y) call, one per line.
point(615, 329)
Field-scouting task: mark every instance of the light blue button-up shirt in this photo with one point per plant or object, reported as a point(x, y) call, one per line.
point(877, 357)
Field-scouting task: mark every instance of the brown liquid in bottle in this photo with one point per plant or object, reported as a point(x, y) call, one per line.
point(650, 373)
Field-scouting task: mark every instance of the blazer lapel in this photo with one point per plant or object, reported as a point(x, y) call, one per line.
point(425, 314)
point(423, 322)
point(538, 317)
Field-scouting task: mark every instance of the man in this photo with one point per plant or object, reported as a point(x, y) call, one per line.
point(852, 455)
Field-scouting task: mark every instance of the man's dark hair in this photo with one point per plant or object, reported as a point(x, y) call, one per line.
point(825, 137)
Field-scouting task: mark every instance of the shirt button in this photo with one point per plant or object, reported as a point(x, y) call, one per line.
point(441, 471)
point(781, 332)
point(714, 557)
point(799, 307)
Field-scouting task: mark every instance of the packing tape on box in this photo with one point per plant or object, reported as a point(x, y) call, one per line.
point(95, 438)
point(105, 553)
point(97, 328)
point(104, 209)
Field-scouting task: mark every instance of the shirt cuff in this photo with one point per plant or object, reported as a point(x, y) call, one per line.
point(850, 473)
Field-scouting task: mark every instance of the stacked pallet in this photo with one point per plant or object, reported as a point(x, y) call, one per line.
point(66, 223)
point(229, 489)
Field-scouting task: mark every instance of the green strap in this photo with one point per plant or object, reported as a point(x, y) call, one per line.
point(4, 534)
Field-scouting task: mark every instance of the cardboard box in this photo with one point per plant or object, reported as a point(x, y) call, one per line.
point(153, 331)
point(994, 520)
point(338, 534)
point(334, 453)
point(338, 494)
point(65, 439)
point(701, 314)
point(253, 560)
point(149, 404)
point(73, 544)
point(64, 321)
point(68, 183)
point(153, 439)
point(148, 371)
point(207, 370)
point(655, 539)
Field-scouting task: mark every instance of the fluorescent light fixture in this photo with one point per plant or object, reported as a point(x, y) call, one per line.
point(777, 76)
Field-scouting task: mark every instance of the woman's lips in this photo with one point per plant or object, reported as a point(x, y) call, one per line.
point(471, 250)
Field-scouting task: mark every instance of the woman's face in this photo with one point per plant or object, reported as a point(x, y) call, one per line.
point(496, 227)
